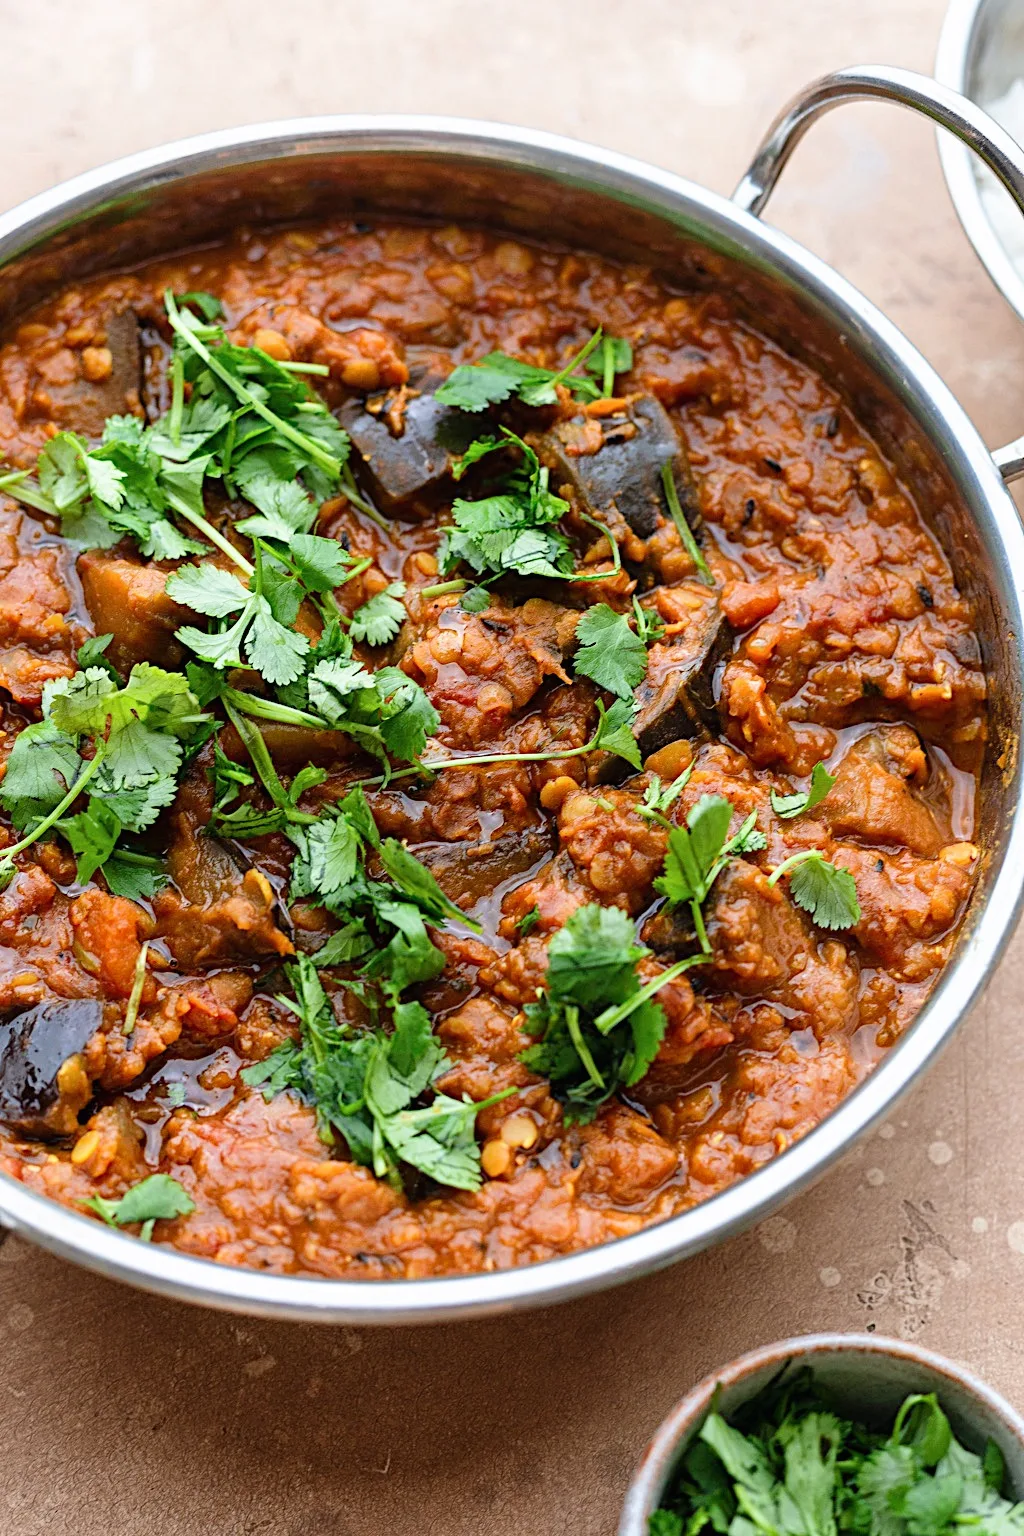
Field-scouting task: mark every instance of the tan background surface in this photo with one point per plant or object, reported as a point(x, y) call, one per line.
point(123, 1414)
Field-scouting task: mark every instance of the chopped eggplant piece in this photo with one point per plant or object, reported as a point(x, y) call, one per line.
point(466, 872)
point(129, 600)
point(676, 699)
point(44, 1085)
point(405, 463)
point(624, 475)
point(84, 405)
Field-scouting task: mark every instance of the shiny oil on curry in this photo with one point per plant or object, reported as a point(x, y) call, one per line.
point(834, 632)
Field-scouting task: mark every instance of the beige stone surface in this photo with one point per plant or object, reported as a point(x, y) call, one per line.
point(120, 1414)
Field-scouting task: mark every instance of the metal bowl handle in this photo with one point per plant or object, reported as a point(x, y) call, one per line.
point(981, 133)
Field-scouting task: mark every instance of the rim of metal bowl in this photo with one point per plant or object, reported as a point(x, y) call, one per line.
point(954, 65)
point(164, 1270)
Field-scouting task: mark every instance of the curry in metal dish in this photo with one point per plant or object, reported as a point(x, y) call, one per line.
point(489, 751)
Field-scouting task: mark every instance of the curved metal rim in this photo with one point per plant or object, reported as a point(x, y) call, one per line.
point(649, 1479)
point(164, 1270)
point(951, 68)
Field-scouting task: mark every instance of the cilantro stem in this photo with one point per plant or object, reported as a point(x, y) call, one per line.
point(28, 494)
point(793, 860)
point(257, 749)
point(348, 486)
point(131, 1013)
point(606, 1021)
point(572, 1022)
point(435, 764)
point(444, 587)
point(270, 709)
point(613, 545)
point(321, 369)
point(574, 363)
point(698, 923)
point(683, 527)
point(357, 570)
point(224, 545)
point(312, 449)
point(7, 856)
point(608, 379)
point(177, 397)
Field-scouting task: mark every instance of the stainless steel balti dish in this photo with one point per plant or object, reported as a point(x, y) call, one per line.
point(535, 184)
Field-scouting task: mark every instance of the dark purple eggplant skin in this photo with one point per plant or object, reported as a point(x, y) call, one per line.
point(678, 700)
point(399, 469)
point(624, 475)
point(33, 1048)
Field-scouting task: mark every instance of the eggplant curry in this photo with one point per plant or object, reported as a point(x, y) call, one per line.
point(489, 751)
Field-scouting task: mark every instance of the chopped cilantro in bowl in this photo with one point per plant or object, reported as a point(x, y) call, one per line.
point(833, 1434)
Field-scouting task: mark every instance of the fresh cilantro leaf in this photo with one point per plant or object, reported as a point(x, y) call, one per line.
point(659, 798)
point(788, 806)
point(348, 943)
point(649, 624)
point(475, 452)
point(134, 875)
point(474, 386)
point(272, 648)
point(610, 653)
point(785, 1465)
point(379, 620)
point(42, 766)
point(827, 891)
point(615, 732)
point(321, 564)
point(511, 531)
point(364, 1086)
point(416, 882)
point(91, 654)
point(157, 1198)
point(208, 589)
point(209, 307)
point(698, 852)
point(528, 921)
point(92, 835)
point(598, 1028)
point(285, 508)
point(330, 855)
point(138, 733)
point(475, 600)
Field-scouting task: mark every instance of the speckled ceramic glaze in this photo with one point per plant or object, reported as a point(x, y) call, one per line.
point(868, 1377)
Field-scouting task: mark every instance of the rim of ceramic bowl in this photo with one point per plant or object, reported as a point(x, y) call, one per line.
point(658, 1461)
point(978, 482)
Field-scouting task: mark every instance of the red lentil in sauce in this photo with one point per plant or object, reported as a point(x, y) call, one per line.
point(847, 642)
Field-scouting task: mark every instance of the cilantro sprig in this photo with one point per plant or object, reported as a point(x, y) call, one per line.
point(787, 1463)
point(367, 1087)
point(599, 1028)
point(610, 652)
point(497, 377)
point(825, 890)
point(699, 851)
point(156, 1198)
point(512, 531)
point(124, 744)
point(788, 806)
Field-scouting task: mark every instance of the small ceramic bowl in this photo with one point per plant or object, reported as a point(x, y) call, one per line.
point(867, 1377)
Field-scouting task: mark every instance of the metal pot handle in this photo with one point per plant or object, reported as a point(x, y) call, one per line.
point(1003, 156)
